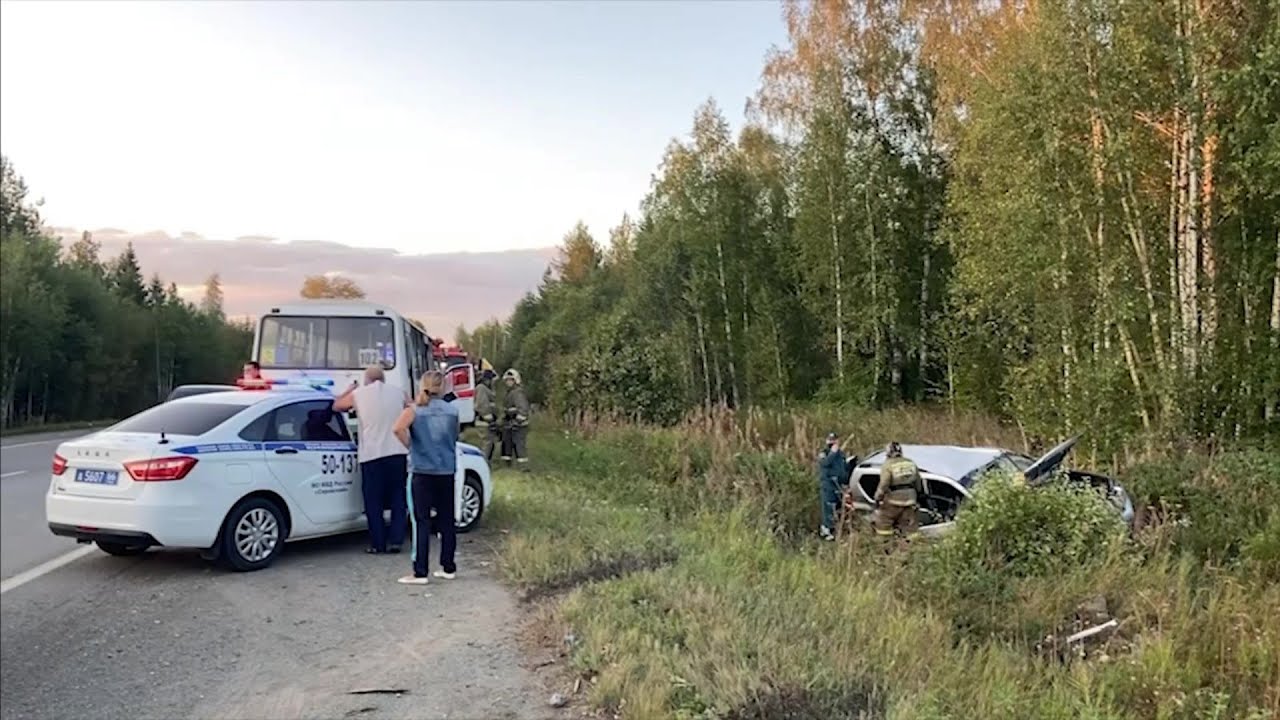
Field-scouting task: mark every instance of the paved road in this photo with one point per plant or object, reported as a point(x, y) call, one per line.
point(24, 478)
point(168, 635)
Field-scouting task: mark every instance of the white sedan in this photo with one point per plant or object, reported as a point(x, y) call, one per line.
point(950, 475)
point(235, 474)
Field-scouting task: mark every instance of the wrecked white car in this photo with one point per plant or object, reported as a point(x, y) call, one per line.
point(951, 474)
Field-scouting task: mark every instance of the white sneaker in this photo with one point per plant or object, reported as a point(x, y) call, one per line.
point(444, 575)
point(412, 580)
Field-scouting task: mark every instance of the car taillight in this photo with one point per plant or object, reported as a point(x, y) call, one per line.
point(172, 468)
point(59, 464)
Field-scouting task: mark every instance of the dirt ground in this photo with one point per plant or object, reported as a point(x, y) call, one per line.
point(166, 635)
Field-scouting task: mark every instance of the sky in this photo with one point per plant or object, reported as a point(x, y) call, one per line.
point(426, 127)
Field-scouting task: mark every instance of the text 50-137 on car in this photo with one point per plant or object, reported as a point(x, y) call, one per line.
point(235, 474)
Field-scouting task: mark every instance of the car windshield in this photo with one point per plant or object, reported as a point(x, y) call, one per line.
point(1001, 465)
point(337, 343)
point(187, 418)
point(1021, 461)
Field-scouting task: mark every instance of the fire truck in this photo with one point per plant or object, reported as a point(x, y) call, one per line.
point(459, 375)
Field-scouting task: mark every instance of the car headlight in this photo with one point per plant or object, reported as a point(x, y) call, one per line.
point(1120, 498)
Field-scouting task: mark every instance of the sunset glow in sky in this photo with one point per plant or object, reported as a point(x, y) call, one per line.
point(421, 126)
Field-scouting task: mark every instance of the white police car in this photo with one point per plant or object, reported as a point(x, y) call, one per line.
point(235, 474)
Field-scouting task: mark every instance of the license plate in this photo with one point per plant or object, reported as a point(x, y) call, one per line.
point(97, 477)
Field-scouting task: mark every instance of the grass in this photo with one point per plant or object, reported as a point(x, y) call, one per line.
point(54, 427)
point(683, 563)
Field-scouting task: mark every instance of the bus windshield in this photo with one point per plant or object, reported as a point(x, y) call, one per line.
point(334, 343)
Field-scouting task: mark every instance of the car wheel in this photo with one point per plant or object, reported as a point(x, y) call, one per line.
point(252, 535)
point(120, 549)
point(472, 504)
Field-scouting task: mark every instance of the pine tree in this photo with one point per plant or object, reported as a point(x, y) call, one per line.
point(211, 302)
point(125, 277)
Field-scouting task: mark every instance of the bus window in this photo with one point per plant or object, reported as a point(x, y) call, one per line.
point(292, 342)
point(356, 342)
point(416, 347)
point(335, 343)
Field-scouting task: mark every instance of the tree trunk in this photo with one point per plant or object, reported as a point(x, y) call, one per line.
point(702, 353)
point(1176, 339)
point(1065, 331)
point(877, 340)
point(1201, 82)
point(1188, 252)
point(835, 249)
point(10, 390)
point(728, 324)
point(1142, 252)
point(1208, 256)
point(1188, 215)
point(777, 358)
point(1131, 360)
point(1273, 403)
point(924, 318)
point(1097, 131)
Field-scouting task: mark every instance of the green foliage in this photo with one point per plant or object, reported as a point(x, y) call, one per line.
point(616, 375)
point(727, 620)
point(1222, 510)
point(1061, 214)
point(1020, 531)
point(1008, 533)
point(83, 339)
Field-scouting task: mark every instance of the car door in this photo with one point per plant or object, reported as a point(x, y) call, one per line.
point(312, 457)
point(460, 382)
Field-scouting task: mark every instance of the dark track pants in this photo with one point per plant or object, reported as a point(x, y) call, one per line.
point(492, 439)
point(427, 493)
point(382, 483)
point(519, 443)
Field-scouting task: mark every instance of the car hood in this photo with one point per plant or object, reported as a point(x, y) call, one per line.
point(1050, 461)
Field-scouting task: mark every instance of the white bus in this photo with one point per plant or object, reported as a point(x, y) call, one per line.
point(330, 342)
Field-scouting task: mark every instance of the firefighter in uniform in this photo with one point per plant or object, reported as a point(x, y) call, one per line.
point(898, 494)
point(833, 477)
point(516, 418)
point(487, 414)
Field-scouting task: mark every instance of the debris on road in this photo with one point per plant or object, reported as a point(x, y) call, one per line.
point(378, 691)
point(558, 701)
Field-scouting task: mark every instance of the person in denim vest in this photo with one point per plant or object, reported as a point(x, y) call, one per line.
point(430, 430)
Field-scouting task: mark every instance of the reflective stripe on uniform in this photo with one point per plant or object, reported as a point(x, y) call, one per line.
point(413, 523)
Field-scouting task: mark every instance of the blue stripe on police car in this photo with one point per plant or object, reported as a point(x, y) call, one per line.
point(321, 446)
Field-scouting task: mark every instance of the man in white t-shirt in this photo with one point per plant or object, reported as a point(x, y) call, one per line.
point(383, 464)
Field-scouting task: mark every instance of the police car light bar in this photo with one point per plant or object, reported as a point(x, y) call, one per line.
point(290, 383)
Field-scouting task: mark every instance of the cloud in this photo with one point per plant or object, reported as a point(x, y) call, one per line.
point(442, 290)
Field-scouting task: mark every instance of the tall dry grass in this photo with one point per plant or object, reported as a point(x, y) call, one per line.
point(701, 593)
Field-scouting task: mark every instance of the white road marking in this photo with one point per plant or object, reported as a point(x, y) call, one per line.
point(44, 568)
point(11, 474)
point(33, 444)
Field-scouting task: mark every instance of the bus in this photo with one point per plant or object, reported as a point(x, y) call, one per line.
point(330, 342)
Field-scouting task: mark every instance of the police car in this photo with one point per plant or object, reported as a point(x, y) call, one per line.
point(236, 474)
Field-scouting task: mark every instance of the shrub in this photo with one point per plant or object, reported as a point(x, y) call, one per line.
point(1007, 533)
point(1222, 509)
point(1026, 532)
